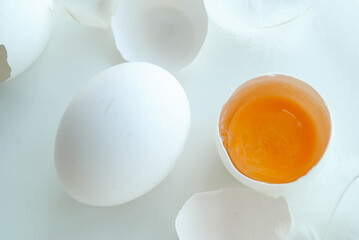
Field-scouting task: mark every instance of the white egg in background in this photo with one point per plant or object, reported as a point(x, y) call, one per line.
point(121, 134)
point(25, 27)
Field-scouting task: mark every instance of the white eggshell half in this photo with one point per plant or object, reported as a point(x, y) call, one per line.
point(243, 15)
point(232, 214)
point(168, 33)
point(263, 186)
point(121, 134)
point(94, 13)
point(25, 27)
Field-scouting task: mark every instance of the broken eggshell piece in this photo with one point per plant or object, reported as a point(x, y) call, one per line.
point(231, 214)
point(285, 87)
point(93, 13)
point(5, 69)
point(168, 33)
point(241, 16)
point(25, 27)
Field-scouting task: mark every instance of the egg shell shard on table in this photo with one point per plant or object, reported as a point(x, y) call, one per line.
point(232, 214)
point(25, 28)
point(168, 33)
point(93, 13)
point(272, 188)
point(241, 16)
point(121, 134)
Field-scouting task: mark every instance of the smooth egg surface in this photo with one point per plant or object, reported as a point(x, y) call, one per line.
point(121, 134)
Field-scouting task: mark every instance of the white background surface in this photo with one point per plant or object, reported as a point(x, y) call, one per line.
point(321, 48)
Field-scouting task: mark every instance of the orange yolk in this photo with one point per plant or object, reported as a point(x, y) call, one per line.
point(272, 139)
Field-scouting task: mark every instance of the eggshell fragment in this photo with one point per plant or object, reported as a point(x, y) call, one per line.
point(121, 134)
point(168, 33)
point(232, 214)
point(306, 94)
point(245, 15)
point(5, 69)
point(94, 13)
point(25, 27)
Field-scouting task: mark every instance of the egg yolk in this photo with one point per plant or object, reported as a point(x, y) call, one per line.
point(272, 139)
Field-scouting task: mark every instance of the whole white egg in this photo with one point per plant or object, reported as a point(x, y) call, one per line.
point(25, 27)
point(121, 134)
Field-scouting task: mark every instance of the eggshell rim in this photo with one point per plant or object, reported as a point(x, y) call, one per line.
point(243, 29)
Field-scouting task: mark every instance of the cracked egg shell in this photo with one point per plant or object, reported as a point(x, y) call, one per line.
point(240, 16)
point(168, 33)
point(25, 27)
point(274, 131)
point(232, 214)
point(121, 134)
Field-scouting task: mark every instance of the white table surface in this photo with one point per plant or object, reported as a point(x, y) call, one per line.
point(322, 48)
